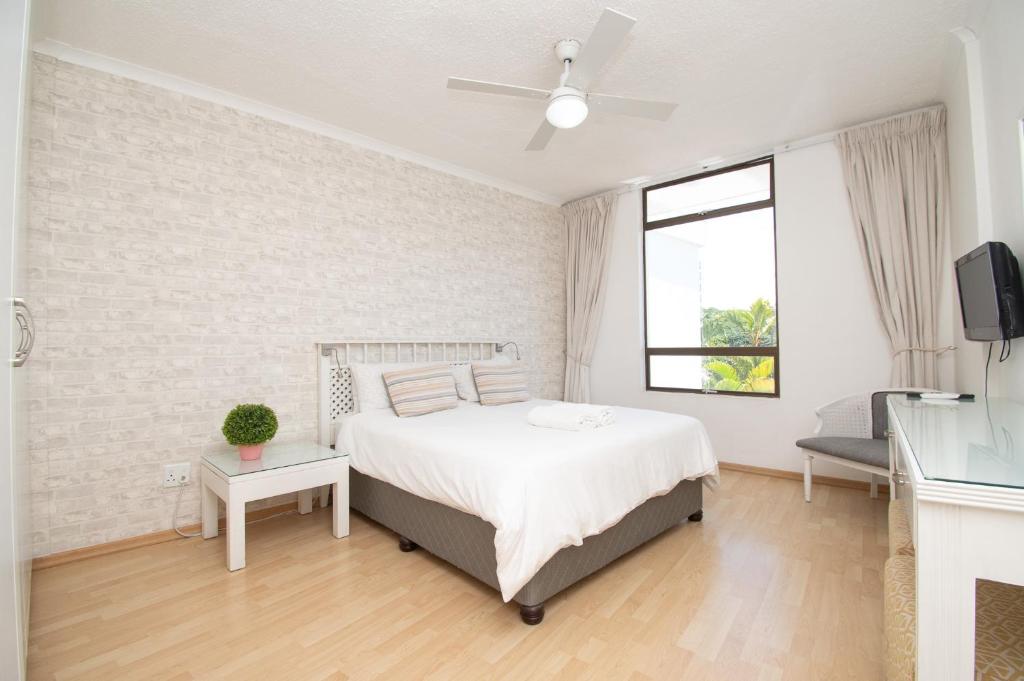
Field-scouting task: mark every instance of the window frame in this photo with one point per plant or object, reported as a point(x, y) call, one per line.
point(717, 351)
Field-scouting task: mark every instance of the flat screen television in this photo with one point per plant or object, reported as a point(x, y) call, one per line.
point(991, 296)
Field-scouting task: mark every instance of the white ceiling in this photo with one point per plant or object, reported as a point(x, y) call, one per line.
point(747, 74)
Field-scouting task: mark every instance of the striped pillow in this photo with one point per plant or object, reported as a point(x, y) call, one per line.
point(500, 383)
point(421, 390)
point(464, 383)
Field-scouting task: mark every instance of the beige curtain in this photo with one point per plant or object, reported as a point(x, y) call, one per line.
point(898, 182)
point(588, 231)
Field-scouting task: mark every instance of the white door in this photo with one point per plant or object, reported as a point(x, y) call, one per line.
point(15, 521)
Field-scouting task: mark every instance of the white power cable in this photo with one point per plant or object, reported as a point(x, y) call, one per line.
point(174, 520)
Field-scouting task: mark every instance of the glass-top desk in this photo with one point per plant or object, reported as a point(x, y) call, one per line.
point(979, 443)
point(959, 466)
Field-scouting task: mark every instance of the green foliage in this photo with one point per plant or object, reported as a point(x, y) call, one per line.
point(753, 327)
point(728, 376)
point(741, 374)
point(250, 424)
point(719, 328)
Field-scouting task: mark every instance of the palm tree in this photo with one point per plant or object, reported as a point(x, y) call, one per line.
point(753, 327)
point(742, 374)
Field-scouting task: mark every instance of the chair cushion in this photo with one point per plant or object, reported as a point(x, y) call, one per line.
point(879, 413)
point(901, 542)
point(859, 449)
point(900, 604)
point(880, 410)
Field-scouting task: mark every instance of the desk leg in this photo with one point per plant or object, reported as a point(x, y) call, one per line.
point(340, 508)
point(945, 595)
point(209, 513)
point(305, 501)
point(236, 534)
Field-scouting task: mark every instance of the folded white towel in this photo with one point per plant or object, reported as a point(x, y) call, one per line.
point(571, 416)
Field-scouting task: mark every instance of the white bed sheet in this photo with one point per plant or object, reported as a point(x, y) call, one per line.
point(542, 489)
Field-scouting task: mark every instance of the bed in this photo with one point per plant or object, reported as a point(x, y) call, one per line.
point(528, 511)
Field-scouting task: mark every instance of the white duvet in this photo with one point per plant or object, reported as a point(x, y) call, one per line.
point(542, 489)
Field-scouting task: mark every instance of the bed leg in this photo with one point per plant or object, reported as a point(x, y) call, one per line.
point(407, 545)
point(696, 516)
point(532, 614)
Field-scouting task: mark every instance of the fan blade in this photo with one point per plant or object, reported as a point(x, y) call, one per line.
point(627, 106)
point(609, 33)
point(541, 137)
point(496, 88)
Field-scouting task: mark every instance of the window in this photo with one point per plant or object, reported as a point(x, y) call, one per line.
point(709, 282)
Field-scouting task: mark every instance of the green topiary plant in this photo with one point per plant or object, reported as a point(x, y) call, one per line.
point(250, 424)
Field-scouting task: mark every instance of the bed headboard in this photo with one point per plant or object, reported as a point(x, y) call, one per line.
point(335, 379)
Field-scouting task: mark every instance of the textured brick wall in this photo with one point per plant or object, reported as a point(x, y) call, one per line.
point(185, 257)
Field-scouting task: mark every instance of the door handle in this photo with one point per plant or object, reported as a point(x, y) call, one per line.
point(26, 329)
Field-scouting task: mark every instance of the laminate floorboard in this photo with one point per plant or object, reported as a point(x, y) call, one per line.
point(766, 588)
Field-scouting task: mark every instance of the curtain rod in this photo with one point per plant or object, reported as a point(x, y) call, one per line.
point(793, 145)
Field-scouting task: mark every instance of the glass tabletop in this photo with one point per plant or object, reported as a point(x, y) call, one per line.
point(968, 442)
point(274, 456)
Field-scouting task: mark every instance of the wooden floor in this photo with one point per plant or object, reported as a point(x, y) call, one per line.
point(766, 588)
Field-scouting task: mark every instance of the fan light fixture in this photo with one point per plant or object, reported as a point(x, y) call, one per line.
point(570, 102)
point(567, 108)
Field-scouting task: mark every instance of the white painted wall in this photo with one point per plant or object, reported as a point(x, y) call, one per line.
point(984, 92)
point(15, 498)
point(831, 341)
point(963, 220)
point(1001, 38)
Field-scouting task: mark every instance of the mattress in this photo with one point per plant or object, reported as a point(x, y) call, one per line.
point(541, 489)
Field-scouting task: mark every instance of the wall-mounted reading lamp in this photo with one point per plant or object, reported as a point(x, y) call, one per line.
point(504, 345)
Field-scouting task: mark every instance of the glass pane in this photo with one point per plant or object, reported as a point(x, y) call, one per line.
point(968, 442)
point(712, 282)
point(717, 191)
point(676, 372)
point(274, 456)
point(745, 374)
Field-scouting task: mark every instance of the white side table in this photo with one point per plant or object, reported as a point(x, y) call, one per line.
point(297, 467)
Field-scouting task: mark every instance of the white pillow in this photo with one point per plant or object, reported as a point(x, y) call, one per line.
point(463, 373)
point(368, 380)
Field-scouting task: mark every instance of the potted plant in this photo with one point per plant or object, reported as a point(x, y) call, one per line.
point(249, 426)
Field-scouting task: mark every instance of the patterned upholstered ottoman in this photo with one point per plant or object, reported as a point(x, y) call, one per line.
point(999, 632)
point(900, 618)
point(901, 542)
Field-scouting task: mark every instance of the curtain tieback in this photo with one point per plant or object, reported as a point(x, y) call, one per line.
point(937, 351)
point(576, 358)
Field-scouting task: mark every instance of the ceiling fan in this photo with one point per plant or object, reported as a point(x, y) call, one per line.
point(569, 103)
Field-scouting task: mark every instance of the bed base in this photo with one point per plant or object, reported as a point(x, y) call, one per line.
point(467, 541)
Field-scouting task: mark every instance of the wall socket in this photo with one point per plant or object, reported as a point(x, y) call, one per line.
point(177, 474)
